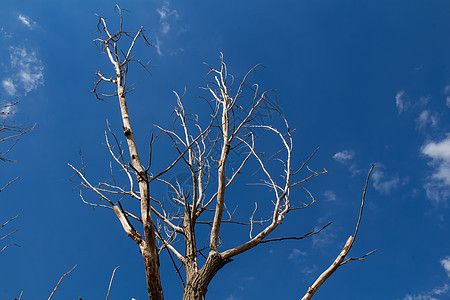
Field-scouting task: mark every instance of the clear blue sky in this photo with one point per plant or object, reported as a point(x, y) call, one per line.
point(366, 81)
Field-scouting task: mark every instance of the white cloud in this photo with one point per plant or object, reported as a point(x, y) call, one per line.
point(9, 86)
point(28, 70)
point(329, 195)
point(310, 270)
point(427, 118)
point(158, 46)
point(439, 151)
point(5, 34)
point(354, 170)
point(296, 255)
point(419, 297)
point(27, 21)
point(442, 290)
point(437, 192)
point(438, 186)
point(165, 28)
point(447, 89)
point(322, 239)
point(166, 15)
point(384, 183)
point(169, 31)
point(445, 262)
point(401, 101)
point(344, 156)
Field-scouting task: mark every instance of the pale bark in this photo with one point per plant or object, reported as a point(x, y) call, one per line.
point(339, 261)
point(228, 128)
point(147, 245)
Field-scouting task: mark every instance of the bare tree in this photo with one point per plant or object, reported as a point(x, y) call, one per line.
point(207, 149)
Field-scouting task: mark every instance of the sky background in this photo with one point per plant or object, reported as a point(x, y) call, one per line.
point(366, 81)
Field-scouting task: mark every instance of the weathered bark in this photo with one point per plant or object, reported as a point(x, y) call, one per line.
point(196, 150)
point(191, 264)
point(197, 283)
point(148, 248)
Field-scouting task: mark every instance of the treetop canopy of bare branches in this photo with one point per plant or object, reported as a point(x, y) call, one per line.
point(217, 151)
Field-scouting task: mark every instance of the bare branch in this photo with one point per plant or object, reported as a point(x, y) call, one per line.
point(4, 187)
point(60, 279)
point(358, 258)
point(110, 282)
point(4, 248)
point(309, 234)
point(339, 261)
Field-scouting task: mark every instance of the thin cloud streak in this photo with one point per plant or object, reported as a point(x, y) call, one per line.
point(402, 101)
point(27, 21)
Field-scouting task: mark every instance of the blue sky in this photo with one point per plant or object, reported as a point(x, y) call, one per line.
point(366, 81)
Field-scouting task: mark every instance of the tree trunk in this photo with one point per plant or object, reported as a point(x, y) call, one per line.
point(197, 282)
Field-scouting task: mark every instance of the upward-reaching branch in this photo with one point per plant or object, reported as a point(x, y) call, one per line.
point(339, 261)
point(148, 248)
point(230, 135)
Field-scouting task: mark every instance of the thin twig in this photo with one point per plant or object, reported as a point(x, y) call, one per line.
point(110, 282)
point(57, 285)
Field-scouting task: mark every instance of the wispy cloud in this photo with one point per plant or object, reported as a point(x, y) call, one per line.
point(426, 118)
point(445, 262)
point(322, 239)
point(9, 86)
point(169, 30)
point(384, 183)
point(158, 45)
point(344, 156)
point(402, 101)
point(27, 21)
point(329, 195)
point(438, 186)
point(447, 92)
point(310, 270)
point(440, 291)
point(166, 16)
point(296, 255)
point(5, 34)
point(419, 297)
point(27, 71)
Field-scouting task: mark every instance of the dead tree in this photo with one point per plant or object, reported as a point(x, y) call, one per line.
point(204, 149)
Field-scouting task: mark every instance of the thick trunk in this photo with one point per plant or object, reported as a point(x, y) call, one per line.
point(197, 282)
point(154, 287)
